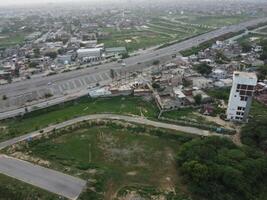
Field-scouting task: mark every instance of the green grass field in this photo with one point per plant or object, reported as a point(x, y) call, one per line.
point(11, 40)
point(11, 189)
point(214, 20)
point(84, 106)
point(112, 157)
point(157, 32)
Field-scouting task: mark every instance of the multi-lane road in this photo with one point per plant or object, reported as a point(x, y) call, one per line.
point(72, 82)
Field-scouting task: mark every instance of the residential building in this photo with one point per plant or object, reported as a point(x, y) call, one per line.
point(241, 96)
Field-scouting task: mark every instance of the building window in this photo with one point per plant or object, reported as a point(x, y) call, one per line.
point(250, 87)
point(243, 98)
point(249, 93)
point(243, 87)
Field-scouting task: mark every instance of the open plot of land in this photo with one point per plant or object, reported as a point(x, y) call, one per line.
point(113, 156)
point(156, 32)
point(212, 20)
point(11, 39)
point(134, 39)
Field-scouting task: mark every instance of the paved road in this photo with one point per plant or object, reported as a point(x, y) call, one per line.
point(135, 119)
point(47, 179)
point(19, 93)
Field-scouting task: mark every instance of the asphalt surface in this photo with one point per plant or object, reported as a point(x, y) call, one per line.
point(47, 179)
point(132, 119)
point(20, 93)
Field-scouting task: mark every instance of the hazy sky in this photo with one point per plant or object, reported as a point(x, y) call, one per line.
point(23, 2)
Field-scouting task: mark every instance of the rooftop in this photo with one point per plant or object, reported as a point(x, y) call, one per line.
point(245, 74)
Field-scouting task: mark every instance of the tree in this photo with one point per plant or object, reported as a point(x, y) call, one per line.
point(262, 72)
point(125, 55)
point(246, 46)
point(33, 64)
point(155, 62)
point(155, 85)
point(203, 69)
point(198, 99)
point(4, 97)
point(52, 54)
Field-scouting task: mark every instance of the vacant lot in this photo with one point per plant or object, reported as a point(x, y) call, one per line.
point(213, 20)
point(157, 31)
point(11, 40)
point(113, 156)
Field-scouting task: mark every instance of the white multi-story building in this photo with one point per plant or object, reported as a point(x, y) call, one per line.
point(241, 96)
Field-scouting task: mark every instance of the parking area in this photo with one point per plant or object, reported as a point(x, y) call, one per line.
point(56, 89)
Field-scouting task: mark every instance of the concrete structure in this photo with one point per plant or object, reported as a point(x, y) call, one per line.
point(64, 59)
point(218, 74)
point(115, 51)
point(99, 92)
point(89, 53)
point(241, 96)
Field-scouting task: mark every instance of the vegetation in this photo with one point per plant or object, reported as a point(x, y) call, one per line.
point(41, 118)
point(262, 72)
point(11, 39)
point(113, 155)
point(4, 97)
point(33, 64)
point(216, 169)
point(51, 54)
point(203, 69)
point(254, 132)
point(156, 62)
point(12, 189)
point(198, 99)
point(219, 93)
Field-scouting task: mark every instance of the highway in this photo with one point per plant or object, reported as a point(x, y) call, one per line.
point(47, 179)
point(71, 82)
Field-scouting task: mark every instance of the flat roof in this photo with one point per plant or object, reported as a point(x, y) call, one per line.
point(245, 74)
point(88, 50)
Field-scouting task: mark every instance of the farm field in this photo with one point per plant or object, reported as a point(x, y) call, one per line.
point(117, 159)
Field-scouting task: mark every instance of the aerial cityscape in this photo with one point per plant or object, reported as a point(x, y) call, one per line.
point(133, 100)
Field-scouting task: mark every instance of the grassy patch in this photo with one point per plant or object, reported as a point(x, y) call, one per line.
point(11, 40)
point(84, 106)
